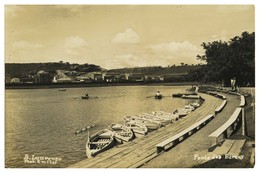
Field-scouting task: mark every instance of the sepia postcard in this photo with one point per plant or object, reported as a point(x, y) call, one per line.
point(129, 86)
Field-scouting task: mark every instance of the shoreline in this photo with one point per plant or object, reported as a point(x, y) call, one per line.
point(81, 85)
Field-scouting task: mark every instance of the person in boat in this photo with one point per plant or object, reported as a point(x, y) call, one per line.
point(158, 94)
point(86, 94)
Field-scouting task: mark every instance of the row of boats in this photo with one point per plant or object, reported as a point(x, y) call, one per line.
point(133, 125)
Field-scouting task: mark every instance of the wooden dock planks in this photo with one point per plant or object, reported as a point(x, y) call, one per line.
point(141, 150)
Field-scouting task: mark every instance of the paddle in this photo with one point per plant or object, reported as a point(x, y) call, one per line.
point(84, 129)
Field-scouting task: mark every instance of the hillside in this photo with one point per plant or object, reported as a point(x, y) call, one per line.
point(19, 69)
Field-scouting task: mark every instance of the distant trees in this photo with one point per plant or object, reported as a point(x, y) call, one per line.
point(225, 60)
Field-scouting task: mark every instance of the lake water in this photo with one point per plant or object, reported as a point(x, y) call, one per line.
point(42, 122)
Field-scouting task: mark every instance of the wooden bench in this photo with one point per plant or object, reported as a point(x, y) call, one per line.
point(221, 96)
point(216, 95)
point(242, 101)
point(220, 108)
point(225, 130)
point(170, 142)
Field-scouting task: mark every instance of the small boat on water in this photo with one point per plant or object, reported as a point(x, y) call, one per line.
point(62, 89)
point(137, 127)
point(150, 124)
point(84, 97)
point(158, 96)
point(122, 132)
point(99, 142)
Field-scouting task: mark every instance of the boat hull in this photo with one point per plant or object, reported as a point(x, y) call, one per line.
point(122, 133)
point(99, 142)
point(84, 97)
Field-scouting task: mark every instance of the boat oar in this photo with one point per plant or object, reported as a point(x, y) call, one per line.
point(149, 96)
point(84, 129)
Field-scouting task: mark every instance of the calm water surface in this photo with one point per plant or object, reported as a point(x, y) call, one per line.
point(42, 122)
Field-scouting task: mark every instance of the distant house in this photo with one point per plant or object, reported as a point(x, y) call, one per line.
point(7, 78)
point(64, 80)
point(113, 77)
point(15, 80)
point(154, 78)
point(98, 76)
point(136, 77)
point(25, 78)
point(42, 77)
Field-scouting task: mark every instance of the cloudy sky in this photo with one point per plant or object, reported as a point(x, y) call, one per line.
point(119, 36)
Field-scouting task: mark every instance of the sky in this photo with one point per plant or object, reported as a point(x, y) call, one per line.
point(118, 36)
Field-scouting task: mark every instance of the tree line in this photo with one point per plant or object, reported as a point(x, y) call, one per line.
point(226, 60)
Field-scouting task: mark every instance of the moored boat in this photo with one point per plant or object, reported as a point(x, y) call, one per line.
point(162, 120)
point(122, 132)
point(137, 127)
point(150, 124)
point(181, 112)
point(195, 105)
point(99, 142)
point(167, 115)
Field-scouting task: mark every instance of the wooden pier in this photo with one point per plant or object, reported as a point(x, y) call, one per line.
point(139, 151)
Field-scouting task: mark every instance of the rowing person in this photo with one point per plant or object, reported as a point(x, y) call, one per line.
point(158, 93)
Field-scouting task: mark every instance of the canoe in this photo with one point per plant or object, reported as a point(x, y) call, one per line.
point(137, 127)
point(122, 132)
point(99, 142)
point(85, 97)
point(150, 124)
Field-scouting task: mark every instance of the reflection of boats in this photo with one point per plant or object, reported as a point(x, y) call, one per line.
point(62, 89)
point(158, 96)
point(85, 97)
point(137, 127)
point(99, 142)
point(122, 132)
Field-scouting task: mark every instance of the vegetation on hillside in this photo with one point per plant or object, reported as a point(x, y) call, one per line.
point(19, 69)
